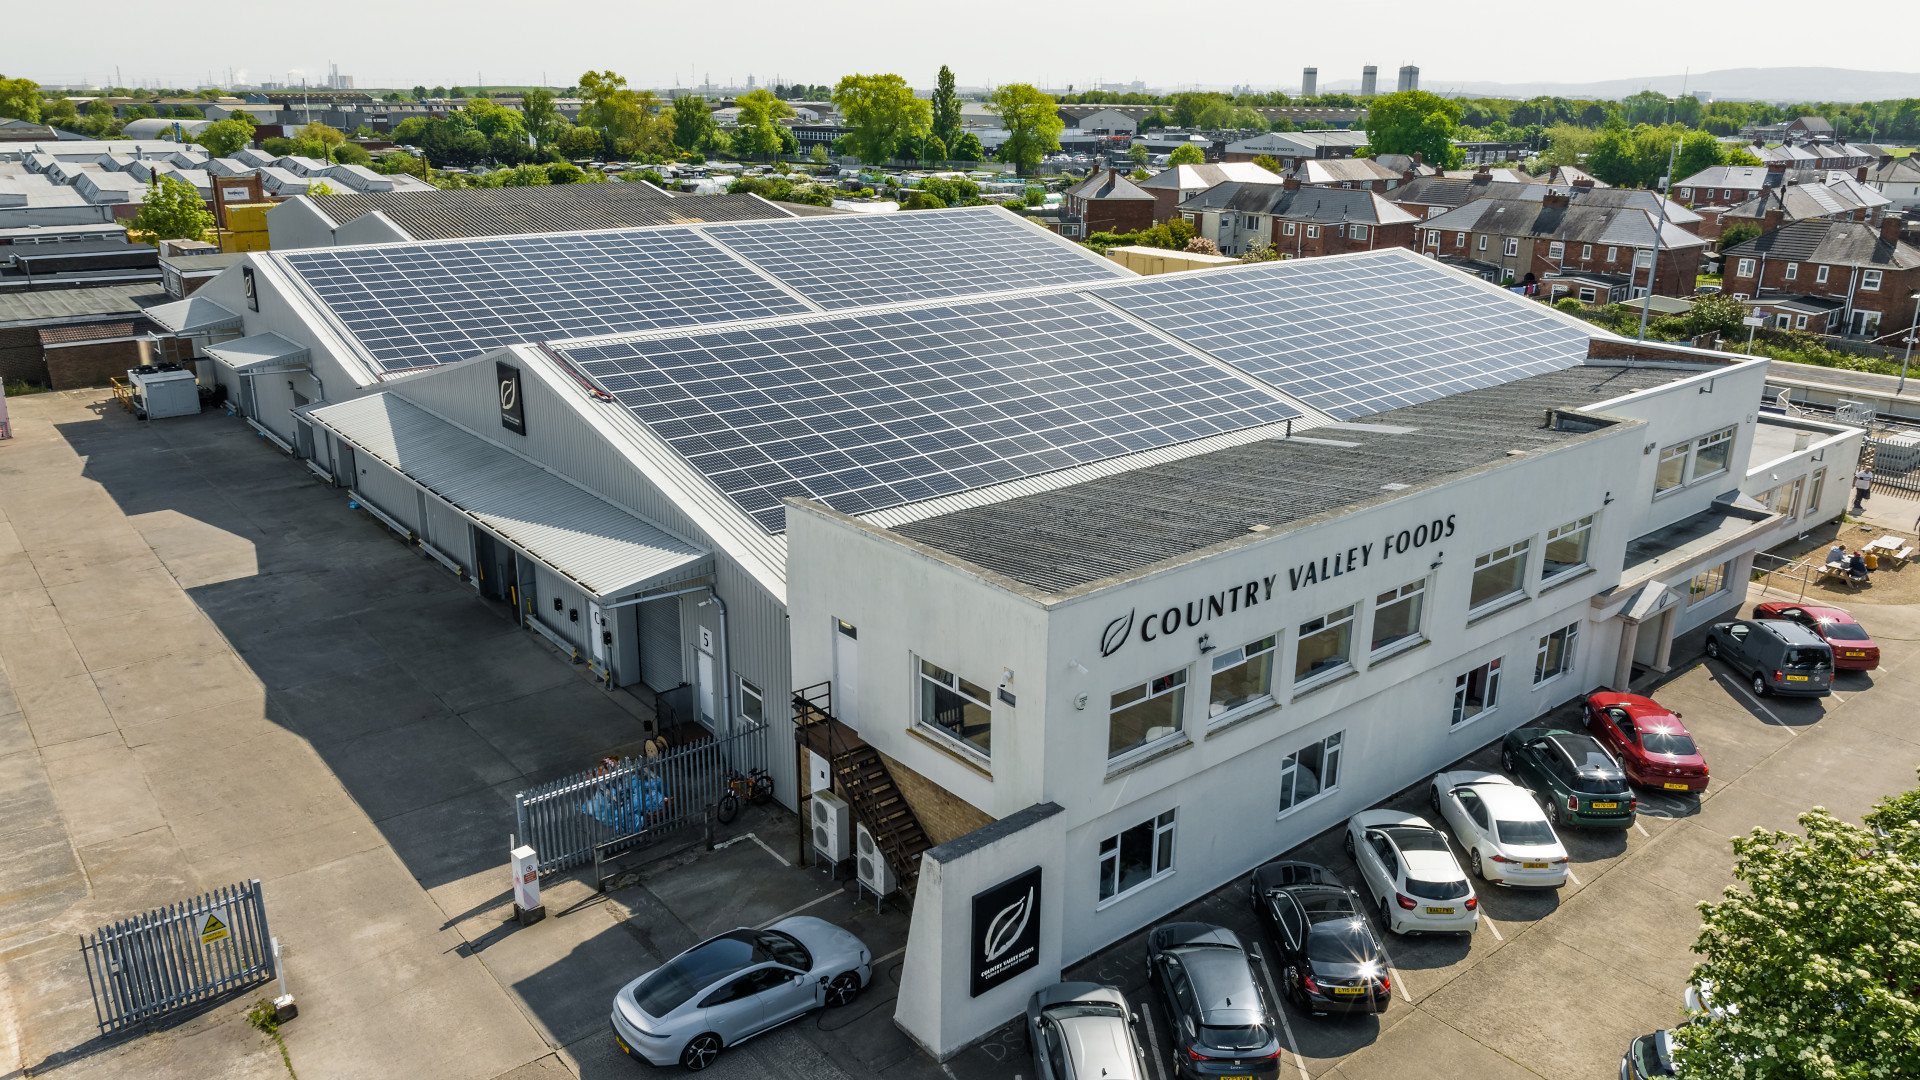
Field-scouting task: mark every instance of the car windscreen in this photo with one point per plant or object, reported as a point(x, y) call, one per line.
point(1415, 838)
point(695, 970)
point(1648, 1058)
point(1525, 833)
point(1437, 890)
point(1234, 1037)
point(1845, 631)
point(1667, 742)
point(1345, 942)
point(1815, 659)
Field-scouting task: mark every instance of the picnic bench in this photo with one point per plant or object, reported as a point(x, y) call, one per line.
point(1892, 548)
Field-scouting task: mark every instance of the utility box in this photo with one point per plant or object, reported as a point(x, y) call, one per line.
point(525, 866)
point(158, 393)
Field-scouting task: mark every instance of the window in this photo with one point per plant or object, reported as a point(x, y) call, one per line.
point(1459, 239)
point(1499, 574)
point(1313, 232)
point(1781, 498)
point(1726, 193)
point(1286, 229)
point(1554, 657)
point(1556, 251)
point(1793, 271)
point(1708, 583)
point(1711, 452)
point(1188, 217)
point(1819, 274)
point(1357, 232)
point(1586, 251)
point(1870, 281)
point(1483, 241)
point(1673, 468)
point(1146, 713)
point(1136, 857)
point(1325, 644)
point(753, 704)
point(956, 708)
point(1813, 489)
point(1310, 772)
point(1396, 614)
point(1242, 676)
point(1588, 295)
point(1566, 547)
point(1782, 321)
point(1613, 253)
point(1800, 322)
point(1643, 259)
point(1744, 269)
point(1513, 246)
point(1476, 692)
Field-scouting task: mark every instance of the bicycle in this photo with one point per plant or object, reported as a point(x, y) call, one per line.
point(756, 787)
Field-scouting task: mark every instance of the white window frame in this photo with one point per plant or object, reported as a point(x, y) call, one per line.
point(1570, 638)
point(1743, 268)
point(1588, 294)
point(1792, 271)
point(932, 727)
point(1819, 275)
point(1289, 778)
point(1576, 527)
point(1269, 647)
point(1556, 250)
point(1800, 322)
point(1413, 592)
point(1490, 699)
point(1176, 683)
point(1313, 232)
point(1286, 228)
point(1613, 253)
point(1870, 281)
point(1586, 252)
point(1712, 438)
point(1329, 623)
point(1163, 825)
point(1483, 241)
point(1511, 247)
point(1357, 232)
point(1642, 258)
point(1815, 488)
point(750, 691)
point(1459, 239)
point(1519, 549)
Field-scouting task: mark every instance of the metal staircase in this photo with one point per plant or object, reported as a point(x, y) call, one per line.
point(862, 776)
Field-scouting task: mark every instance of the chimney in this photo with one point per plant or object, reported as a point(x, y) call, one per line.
point(1776, 174)
point(1772, 219)
point(1585, 181)
point(1416, 158)
point(1291, 182)
point(1890, 228)
point(1552, 197)
point(1483, 173)
point(1860, 174)
point(1407, 177)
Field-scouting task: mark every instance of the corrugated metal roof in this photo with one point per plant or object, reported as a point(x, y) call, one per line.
point(508, 211)
point(192, 315)
point(602, 548)
point(53, 305)
point(259, 349)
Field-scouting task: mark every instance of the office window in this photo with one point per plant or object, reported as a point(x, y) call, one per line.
point(1814, 488)
point(1137, 856)
point(1556, 251)
point(1513, 246)
point(956, 708)
point(1554, 656)
point(1566, 547)
point(1146, 713)
point(1793, 271)
point(1586, 251)
point(1396, 614)
point(1313, 232)
point(1476, 692)
point(1326, 645)
point(1711, 453)
point(1310, 772)
point(1870, 281)
point(1483, 241)
point(1357, 232)
point(1286, 229)
point(753, 704)
point(1707, 584)
point(1819, 274)
point(1673, 468)
point(1498, 574)
point(1242, 676)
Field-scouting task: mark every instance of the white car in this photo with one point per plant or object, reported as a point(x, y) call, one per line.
point(1412, 874)
point(1505, 834)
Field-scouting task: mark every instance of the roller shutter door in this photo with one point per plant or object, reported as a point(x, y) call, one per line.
point(660, 644)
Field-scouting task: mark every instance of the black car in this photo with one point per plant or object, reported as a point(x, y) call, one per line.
point(1220, 1023)
point(1573, 776)
point(1331, 961)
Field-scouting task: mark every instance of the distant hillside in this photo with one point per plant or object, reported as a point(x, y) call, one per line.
point(1783, 84)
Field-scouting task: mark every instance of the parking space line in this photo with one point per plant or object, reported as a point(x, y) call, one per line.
point(725, 844)
point(1642, 829)
point(1491, 925)
point(1280, 1010)
point(889, 956)
point(1153, 1038)
point(1745, 693)
point(789, 914)
point(1570, 877)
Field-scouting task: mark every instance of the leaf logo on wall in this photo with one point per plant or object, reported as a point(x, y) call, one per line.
point(1005, 929)
point(1117, 633)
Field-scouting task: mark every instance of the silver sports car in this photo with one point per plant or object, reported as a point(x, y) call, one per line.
point(728, 989)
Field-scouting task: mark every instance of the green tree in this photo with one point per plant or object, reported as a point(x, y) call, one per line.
point(173, 210)
point(419, 93)
point(60, 112)
point(439, 91)
point(946, 108)
point(1698, 150)
point(882, 113)
point(320, 187)
point(1267, 162)
point(759, 129)
point(966, 148)
point(1815, 958)
point(350, 154)
point(628, 119)
point(1138, 154)
point(318, 132)
point(579, 142)
point(1716, 314)
point(1610, 157)
point(1032, 120)
point(20, 99)
point(692, 121)
point(1187, 154)
point(818, 155)
point(1740, 155)
point(1415, 121)
point(543, 121)
point(224, 138)
point(933, 149)
point(1738, 233)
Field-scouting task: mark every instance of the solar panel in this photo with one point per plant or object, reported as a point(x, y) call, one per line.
point(864, 412)
point(924, 255)
point(416, 305)
point(1353, 337)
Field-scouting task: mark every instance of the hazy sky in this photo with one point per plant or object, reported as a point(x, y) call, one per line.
point(389, 43)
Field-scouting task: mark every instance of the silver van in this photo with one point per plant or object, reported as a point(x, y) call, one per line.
point(1778, 657)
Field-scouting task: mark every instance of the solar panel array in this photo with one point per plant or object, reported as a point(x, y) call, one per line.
point(864, 412)
point(416, 305)
point(925, 255)
point(1354, 337)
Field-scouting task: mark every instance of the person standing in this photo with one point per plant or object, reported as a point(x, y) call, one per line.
point(1862, 488)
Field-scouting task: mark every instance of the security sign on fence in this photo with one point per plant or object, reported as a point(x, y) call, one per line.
point(179, 956)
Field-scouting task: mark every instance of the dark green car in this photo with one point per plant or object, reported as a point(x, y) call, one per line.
point(1573, 776)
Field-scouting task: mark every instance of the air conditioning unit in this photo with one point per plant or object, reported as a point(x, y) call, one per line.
point(871, 865)
point(832, 826)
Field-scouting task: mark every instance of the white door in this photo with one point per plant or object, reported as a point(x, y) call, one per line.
point(703, 658)
point(846, 674)
point(596, 626)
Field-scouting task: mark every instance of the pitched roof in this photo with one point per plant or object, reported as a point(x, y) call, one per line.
point(1799, 201)
point(1727, 176)
point(1300, 204)
point(1403, 163)
point(1448, 191)
point(1842, 243)
point(51, 306)
point(1567, 174)
point(1188, 177)
point(462, 212)
point(99, 331)
point(1579, 222)
point(1343, 170)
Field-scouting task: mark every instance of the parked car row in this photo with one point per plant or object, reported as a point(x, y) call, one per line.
point(1793, 649)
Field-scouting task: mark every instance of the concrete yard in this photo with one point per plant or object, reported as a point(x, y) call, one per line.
point(211, 669)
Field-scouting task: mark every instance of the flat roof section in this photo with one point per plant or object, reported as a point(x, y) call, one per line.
point(1060, 540)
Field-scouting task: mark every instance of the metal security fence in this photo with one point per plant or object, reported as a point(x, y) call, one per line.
point(146, 967)
point(638, 797)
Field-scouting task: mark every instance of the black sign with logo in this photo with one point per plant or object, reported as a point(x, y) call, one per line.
point(1006, 931)
point(513, 411)
point(247, 286)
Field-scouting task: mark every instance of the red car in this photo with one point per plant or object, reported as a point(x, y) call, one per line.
point(1852, 649)
point(1653, 746)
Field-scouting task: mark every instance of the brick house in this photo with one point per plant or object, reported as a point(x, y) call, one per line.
point(1431, 196)
point(1839, 200)
point(1561, 234)
point(1172, 186)
point(1363, 174)
point(1868, 269)
point(1898, 179)
point(1109, 202)
point(1298, 222)
point(1727, 185)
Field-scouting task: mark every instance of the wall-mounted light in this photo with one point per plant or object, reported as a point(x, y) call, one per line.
point(1080, 700)
point(1707, 387)
point(1206, 644)
point(1077, 666)
point(1608, 501)
point(1437, 556)
point(573, 614)
point(1006, 677)
point(556, 604)
point(1649, 448)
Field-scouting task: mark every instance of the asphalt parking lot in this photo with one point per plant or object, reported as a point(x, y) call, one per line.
point(1555, 983)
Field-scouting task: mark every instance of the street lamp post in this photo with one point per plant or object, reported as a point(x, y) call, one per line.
point(1660, 228)
point(1912, 330)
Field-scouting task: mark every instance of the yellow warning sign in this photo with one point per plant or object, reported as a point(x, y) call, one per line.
point(213, 927)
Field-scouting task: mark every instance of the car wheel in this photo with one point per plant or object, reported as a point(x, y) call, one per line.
point(842, 989)
point(1506, 760)
point(1713, 649)
point(1477, 872)
point(1433, 794)
point(700, 1051)
point(1295, 992)
point(1759, 684)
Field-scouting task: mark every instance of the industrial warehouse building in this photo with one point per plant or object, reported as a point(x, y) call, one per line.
point(1061, 546)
